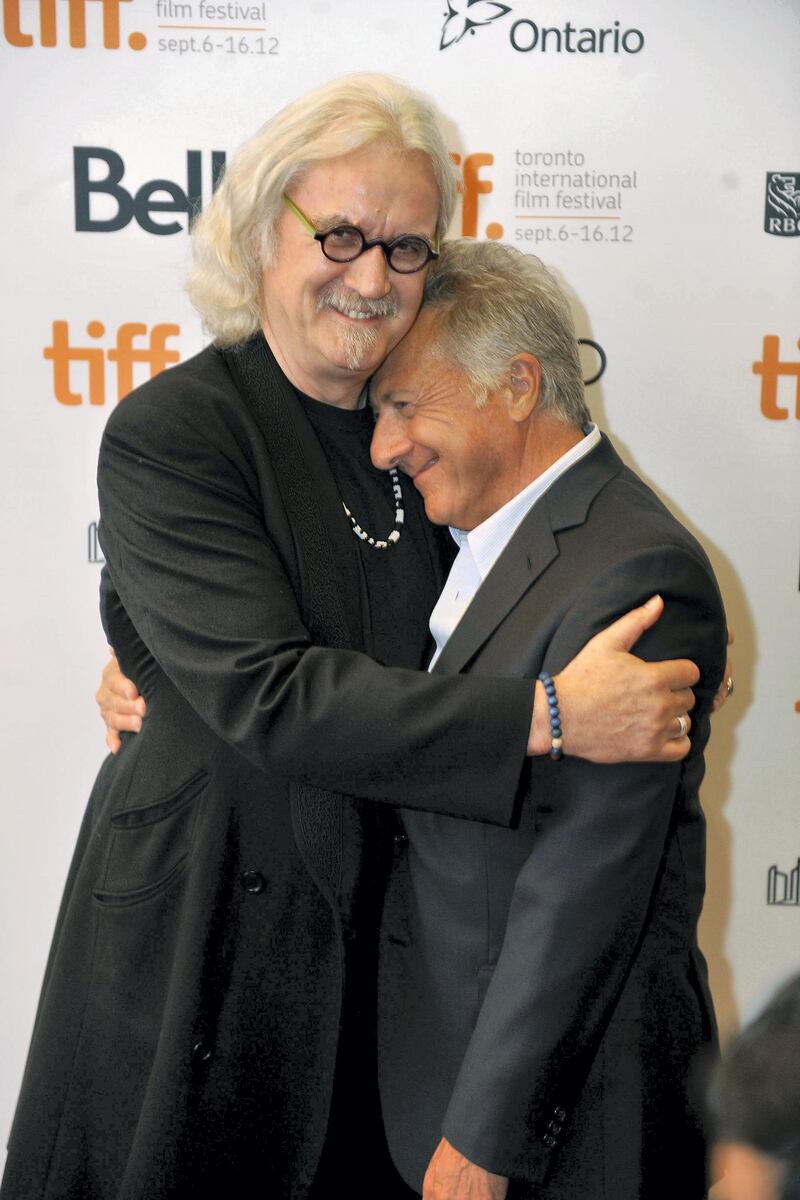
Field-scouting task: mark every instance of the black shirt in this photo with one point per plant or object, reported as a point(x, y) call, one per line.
point(400, 587)
point(400, 582)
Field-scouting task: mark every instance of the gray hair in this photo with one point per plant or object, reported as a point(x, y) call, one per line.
point(234, 239)
point(496, 303)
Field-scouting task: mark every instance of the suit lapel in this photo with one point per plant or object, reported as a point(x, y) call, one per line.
point(528, 554)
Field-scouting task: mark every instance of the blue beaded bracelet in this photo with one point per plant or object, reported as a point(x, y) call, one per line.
point(556, 738)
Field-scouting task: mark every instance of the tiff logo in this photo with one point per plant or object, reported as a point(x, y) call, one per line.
point(471, 186)
point(771, 368)
point(76, 11)
point(154, 355)
point(783, 889)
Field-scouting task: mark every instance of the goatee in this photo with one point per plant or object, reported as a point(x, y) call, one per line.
point(358, 340)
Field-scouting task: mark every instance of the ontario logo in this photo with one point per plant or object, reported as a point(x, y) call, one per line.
point(782, 204)
point(463, 18)
point(526, 35)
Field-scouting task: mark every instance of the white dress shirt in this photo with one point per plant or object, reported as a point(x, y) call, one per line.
point(482, 546)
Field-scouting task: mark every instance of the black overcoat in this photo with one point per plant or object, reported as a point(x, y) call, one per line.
point(186, 1035)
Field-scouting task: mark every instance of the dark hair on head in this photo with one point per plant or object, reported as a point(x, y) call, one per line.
point(756, 1094)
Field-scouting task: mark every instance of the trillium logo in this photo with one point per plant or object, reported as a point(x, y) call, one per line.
point(462, 18)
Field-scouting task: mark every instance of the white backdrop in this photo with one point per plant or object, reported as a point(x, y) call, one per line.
point(635, 160)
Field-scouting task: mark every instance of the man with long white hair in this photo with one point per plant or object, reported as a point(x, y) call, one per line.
point(207, 1017)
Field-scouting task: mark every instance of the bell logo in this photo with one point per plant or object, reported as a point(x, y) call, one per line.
point(770, 368)
point(154, 354)
point(76, 11)
point(471, 186)
point(142, 204)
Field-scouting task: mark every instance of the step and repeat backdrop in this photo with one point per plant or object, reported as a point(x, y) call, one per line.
point(648, 152)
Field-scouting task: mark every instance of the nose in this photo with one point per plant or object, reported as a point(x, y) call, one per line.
point(369, 274)
point(390, 442)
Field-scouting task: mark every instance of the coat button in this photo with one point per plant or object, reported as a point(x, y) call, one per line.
point(559, 1114)
point(549, 1140)
point(201, 1054)
point(253, 882)
point(400, 841)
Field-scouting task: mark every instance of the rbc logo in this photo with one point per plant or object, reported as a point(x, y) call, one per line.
point(142, 204)
point(782, 204)
point(154, 354)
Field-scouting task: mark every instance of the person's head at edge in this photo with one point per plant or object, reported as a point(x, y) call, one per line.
point(756, 1103)
point(486, 390)
point(364, 151)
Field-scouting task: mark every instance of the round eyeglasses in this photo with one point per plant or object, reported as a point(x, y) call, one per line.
point(405, 254)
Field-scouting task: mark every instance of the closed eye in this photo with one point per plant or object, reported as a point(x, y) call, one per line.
point(389, 403)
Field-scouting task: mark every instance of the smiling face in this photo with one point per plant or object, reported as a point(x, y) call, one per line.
point(465, 461)
point(331, 324)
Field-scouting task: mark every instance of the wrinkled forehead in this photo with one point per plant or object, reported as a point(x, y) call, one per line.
point(413, 362)
point(378, 175)
point(410, 357)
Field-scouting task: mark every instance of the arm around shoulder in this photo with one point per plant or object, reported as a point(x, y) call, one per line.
point(191, 528)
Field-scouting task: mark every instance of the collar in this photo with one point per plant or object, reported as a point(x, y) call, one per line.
point(487, 541)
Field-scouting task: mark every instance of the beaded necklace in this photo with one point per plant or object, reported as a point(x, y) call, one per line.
point(399, 517)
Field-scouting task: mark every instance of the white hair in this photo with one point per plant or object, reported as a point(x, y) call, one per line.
point(234, 239)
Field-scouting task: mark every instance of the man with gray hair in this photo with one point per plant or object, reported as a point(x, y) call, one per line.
point(544, 1000)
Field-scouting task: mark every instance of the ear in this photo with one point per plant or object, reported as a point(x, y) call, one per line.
point(525, 382)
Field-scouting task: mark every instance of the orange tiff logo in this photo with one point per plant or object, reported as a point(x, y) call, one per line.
point(471, 186)
point(154, 354)
point(76, 11)
point(770, 368)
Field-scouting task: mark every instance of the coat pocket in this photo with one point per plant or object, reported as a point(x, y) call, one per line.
point(149, 845)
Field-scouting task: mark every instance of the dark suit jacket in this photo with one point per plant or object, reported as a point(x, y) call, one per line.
point(187, 1030)
point(545, 1001)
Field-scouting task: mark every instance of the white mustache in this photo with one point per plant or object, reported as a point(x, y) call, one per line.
point(350, 304)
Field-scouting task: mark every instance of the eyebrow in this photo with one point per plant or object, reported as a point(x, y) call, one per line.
point(325, 223)
point(388, 397)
